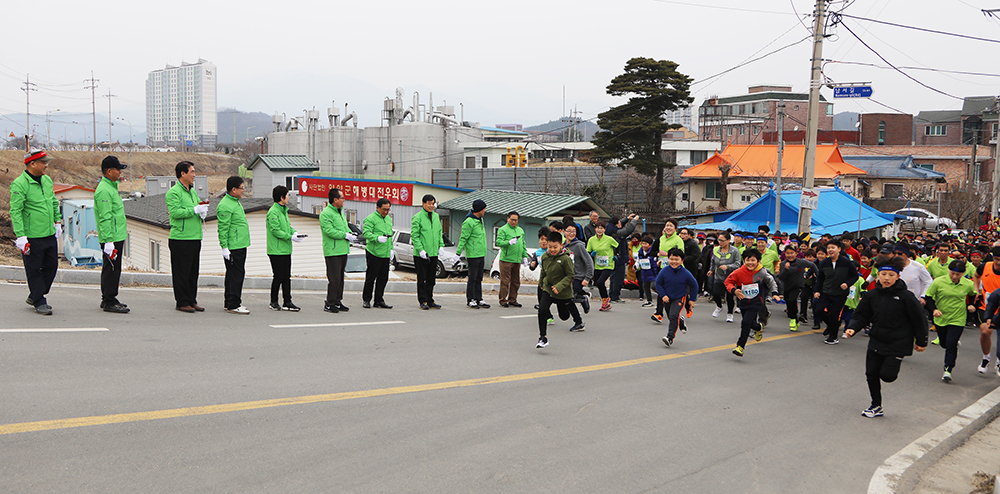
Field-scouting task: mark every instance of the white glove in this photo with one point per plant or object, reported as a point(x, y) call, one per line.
point(423, 254)
point(58, 230)
point(21, 243)
point(201, 210)
point(109, 248)
point(225, 254)
point(350, 237)
point(456, 259)
point(297, 237)
point(383, 239)
point(392, 255)
point(512, 241)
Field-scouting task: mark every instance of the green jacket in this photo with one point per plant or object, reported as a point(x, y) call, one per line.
point(234, 231)
point(34, 209)
point(426, 234)
point(511, 253)
point(334, 226)
point(473, 239)
point(184, 223)
point(279, 231)
point(372, 228)
point(109, 211)
point(557, 271)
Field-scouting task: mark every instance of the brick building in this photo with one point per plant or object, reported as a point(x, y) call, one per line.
point(976, 123)
point(953, 161)
point(745, 119)
point(886, 129)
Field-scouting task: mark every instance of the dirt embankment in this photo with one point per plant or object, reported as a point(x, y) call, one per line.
point(84, 168)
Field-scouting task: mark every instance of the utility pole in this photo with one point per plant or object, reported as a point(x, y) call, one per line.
point(28, 88)
point(93, 101)
point(809, 163)
point(781, 151)
point(109, 96)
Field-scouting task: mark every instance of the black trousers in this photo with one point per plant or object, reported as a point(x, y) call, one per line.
point(426, 277)
point(236, 272)
point(949, 336)
point(750, 310)
point(281, 277)
point(792, 302)
point(673, 310)
point(829, 309)
point(600, 277)
point(376, 276)
point(474, 287)
point(40, 267)
point(111, 275)
point(335, 268)
point(807, 301)
point(565, 307)
point(718, 292)
point(880, 367)
point(185, 256)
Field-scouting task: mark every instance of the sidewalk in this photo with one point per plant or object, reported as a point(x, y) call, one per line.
point(955, 471)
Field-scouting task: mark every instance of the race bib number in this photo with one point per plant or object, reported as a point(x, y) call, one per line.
point(644, 264)
point(751, 290)
point(854, 290)
point(603, 261)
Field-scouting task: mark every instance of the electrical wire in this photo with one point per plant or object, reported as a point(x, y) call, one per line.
point(689, 4)
point(915, 28)
point(943, 71)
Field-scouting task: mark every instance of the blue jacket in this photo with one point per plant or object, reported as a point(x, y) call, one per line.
point(676, 283)
point(649, 275)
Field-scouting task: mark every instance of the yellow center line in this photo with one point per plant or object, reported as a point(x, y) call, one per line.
point(121, 418)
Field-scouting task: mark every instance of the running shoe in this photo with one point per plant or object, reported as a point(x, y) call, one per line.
point(274, 306)
point(729, 318)
point(542, 342)
point(738, 351)
point(290, 307)
point(578, 327)
point(717, 311)
point(647, 304)
point(658, 318)
point(758, 335)
point(831, 342)
point(551, 321)
point(484, 305)
point(473, 304)
point(872, 412)
point(738, 310)
point(937, 341)
point(816, 325)
point(605, 304)
point(998, 369)
point(586, 305)
point(667, 341)
point(793, 325)
point(946, 377)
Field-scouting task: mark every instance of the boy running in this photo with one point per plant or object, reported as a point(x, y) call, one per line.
point(749, 283)
point(555, 283)
point(677, 288)
point(898, 328)
point(792, 273)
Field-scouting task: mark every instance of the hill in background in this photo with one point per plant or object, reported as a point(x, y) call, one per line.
point(845, 121)
point(586, 128)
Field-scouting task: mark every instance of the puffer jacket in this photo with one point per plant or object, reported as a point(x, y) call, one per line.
point(897, 318)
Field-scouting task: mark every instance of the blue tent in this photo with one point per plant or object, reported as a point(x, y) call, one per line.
point(838, 211)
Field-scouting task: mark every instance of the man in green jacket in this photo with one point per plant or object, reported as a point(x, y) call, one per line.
point(186, 214)
point(377, 230)
point(234, 238)
point(109, 211)
point(473, 242)
point(37, 224)
point(427, 238)
point(280, 236)
point(555, 286)
point(337, 238)
point(510, 241)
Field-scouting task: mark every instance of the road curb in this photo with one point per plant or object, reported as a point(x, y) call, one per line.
point(894, 473)
point(93, 277)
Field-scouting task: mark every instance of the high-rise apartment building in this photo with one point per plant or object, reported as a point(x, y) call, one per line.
point(180, 105)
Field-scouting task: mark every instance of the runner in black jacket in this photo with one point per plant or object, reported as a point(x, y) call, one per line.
point(834, 278)
point(898, 328)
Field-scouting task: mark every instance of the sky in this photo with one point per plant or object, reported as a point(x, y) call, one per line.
point(504, 62)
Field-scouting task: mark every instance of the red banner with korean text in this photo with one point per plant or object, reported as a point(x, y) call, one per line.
point(357, 190)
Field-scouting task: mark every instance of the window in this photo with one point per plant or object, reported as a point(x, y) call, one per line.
point(935, 130)
point(404, 238)
point(829, 110)
point(684, 196)
point(756, 129)
point(746, 198)
point(994, 131)
point(925, 166)
point(713, 190)
point(881, 132)
point(486, 161)
point(470, 161)
point(288, 182)
point(742, 130)
point(351, 215)
point(730, 131)
point(892, 191)
point(698, 157)
point(154, 255)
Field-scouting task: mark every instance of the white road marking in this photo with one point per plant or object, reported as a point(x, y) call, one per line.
point(336, 324)
point(52, 330)
point(519, 317)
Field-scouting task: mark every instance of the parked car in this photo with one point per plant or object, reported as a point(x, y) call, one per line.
point(526, 272)
point(356, 230)
point(921, 218)
point(402, 247)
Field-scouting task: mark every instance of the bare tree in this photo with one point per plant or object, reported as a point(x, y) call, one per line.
point(966, 206)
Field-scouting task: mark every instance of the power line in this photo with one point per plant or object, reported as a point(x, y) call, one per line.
point(915, 28)
point(943, 71)
point(720, 7)
point(750, 61)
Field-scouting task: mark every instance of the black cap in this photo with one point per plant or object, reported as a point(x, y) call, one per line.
point(478, 205)
point(112, 162)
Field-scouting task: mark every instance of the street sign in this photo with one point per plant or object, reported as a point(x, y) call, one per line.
point(809, 199)
point(852, 92)
point(12, 134)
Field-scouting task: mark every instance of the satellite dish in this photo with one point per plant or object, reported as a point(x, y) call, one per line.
point(796, 128)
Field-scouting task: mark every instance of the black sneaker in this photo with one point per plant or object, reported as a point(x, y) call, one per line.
point(542, 342)
point(504, 305)
point(274, 306)
point(366, 305)
point(424, 306)
point(586, 305)
point(483, 305)
point(44, 309)
point(578, 327)
point(473, 304)
point(816, 325)
point(342, 308)
point(331, 308)
point(116, 309)
point(290, 307)
point(434, 305)
point(513, 304)
point(668, 341)
point(873, 411)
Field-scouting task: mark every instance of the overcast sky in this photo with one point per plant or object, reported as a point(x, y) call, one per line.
point(507, 62)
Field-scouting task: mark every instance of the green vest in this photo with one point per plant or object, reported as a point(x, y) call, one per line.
point(34, 209)
point(473, 238)
point(667, 243)
point(372, 228)
point(334, 226)
point(234, 231)
point(279, 231)
point(109, 211)
point(184, 223)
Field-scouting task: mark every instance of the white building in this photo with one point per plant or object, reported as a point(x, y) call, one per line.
point(181, 104)
point(682, 116)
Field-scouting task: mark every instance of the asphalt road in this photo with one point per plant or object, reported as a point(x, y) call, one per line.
point(451, 400)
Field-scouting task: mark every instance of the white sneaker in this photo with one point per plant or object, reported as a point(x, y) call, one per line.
point(738, 310)
point(717, 311)
point(238, 310)
point(542, 343)
point(729, 318)
point(998, 369)
point(984, 365)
